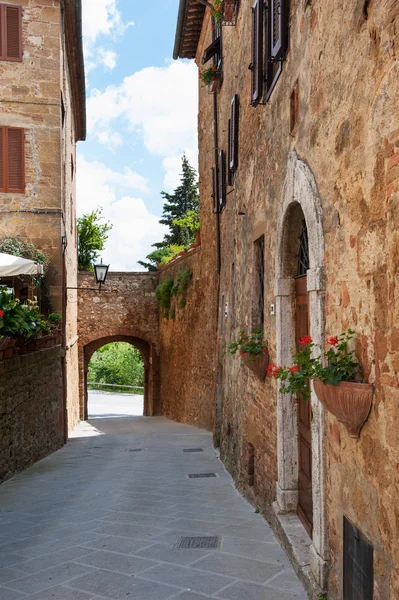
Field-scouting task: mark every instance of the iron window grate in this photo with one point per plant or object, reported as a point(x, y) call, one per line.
point(198, 543)
point(193, 450)
point(201, 475)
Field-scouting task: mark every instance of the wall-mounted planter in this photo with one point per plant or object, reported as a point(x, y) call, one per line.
point(7, 348)
point(349, 402)
point(257, 363)
point(229, 12)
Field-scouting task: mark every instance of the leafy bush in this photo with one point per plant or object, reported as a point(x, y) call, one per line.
point(118, 363)
point(168, 289)
point(25, 320)
point(17, 247)
point(164, 293)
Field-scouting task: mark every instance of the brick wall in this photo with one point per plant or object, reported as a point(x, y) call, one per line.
point(31, 425)
point(344, 58)
point(188, 343)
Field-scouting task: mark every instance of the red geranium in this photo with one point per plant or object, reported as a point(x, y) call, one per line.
point(294, 369)
point(332, 340)
point(1, 313)
point(305, 340)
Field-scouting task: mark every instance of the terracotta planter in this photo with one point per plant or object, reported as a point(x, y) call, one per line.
point(198, 237)
point(349, 402)
point(256, 363)
point(7, 348)
point(214, 85)
point(229, 10)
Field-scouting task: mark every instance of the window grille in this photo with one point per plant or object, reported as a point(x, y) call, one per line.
point(259, 289)
point(303, 254)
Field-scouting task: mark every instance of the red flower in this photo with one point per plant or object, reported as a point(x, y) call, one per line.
point(213, 28)
point(1, 313)
point(305, 340)
point(233, 326)
point(265, 351)
point(276, 372)
point(270, 369)
point(294, 369)
point(273, 370)
point(332, 340)
point(241, 352)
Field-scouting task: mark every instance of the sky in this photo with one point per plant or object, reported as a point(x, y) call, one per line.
point(141, 117)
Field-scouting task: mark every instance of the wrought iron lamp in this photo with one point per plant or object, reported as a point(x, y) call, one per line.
point(101, 272)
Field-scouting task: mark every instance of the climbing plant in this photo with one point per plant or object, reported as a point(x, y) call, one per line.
point(170, 289)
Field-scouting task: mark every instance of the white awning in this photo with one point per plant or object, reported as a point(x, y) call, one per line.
point(11, 266)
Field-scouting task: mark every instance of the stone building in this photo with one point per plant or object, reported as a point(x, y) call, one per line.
point(299, 183)
point(42, 116)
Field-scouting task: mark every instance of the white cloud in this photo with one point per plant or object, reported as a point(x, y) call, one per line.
point(101, 18)
point(135, 229)
point(157, 103)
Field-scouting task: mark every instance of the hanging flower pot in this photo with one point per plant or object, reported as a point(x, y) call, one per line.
point(7, 348)
point(349, 402)
point(257, 363)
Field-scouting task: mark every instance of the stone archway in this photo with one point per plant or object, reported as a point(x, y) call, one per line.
point(300, 201)
point(151, 370)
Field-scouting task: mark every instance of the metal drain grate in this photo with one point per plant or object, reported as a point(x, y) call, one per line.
point(133, 449)
point(201, 475)
point(193, 450)
point(197, 543)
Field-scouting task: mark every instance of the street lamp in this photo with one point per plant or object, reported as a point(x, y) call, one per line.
point(101, 272)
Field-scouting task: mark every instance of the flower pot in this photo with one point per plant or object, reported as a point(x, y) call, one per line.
point(257, 363)
point(198, 237)
point(7, 348)
point(229, 10)
point(214, 85)
point(349, 402)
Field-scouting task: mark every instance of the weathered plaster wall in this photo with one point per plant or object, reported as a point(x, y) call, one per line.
point(31, 410)
point(188, 343)
point(344, 57)
point(126, 309)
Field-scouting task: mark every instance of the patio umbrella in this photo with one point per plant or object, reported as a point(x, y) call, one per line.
point(10, 266)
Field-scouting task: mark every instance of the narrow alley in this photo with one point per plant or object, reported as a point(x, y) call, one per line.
point(118, 512)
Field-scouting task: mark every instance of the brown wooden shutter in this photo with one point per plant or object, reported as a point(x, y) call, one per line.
point(13, 28)
point(2, 156)
point(2, 37)
point(229, 155)
point(215, 190)
point(279, 28)
point(256, 65)
point(15, 160)
point(222, 179)
point(234, 118)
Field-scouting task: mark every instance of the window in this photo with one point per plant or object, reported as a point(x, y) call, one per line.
point(256, 66)
point(233, 139)
point(11, 32)
point(12, 160)
point(258, 311)
point(276, 23)
point(222, 180)
point(215, 189)
point(294, 109)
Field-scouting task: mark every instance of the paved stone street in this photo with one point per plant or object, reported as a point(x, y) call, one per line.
point(103, 517)
point(107, 405)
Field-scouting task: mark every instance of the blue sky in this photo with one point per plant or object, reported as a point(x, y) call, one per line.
point(142, 115)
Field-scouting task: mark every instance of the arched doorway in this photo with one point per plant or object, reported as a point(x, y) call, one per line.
point(299, 291)
point(151, 371)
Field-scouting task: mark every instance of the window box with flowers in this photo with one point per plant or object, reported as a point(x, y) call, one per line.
point(211, 78)
point(337, 377)
point(253, 351)
point(225, 11)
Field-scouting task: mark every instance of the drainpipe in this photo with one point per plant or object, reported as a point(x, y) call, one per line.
point(216, 150)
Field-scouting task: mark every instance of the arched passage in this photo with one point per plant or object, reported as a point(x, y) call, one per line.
point(151, 370)
point(300, 211)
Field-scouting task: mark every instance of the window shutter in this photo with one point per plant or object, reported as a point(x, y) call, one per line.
point(215, 190)
point(13, 28)
point(16, 162)
point(2, 39)
point(229, 155)
point(222, 179)
point(234, 119)
point(1, 159)
point(279, 28)
point(257, 51)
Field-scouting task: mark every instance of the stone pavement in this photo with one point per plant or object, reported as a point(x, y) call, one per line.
point(108, 405)
point(102, 519)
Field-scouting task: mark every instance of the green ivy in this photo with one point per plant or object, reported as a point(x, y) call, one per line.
point(168, 289)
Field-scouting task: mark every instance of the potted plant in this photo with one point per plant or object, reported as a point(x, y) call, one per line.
point(224, 11)
point(211, 77)
point(253, 351)
point(337, 377)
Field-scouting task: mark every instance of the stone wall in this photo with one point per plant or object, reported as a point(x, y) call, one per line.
point(344, 148)
point(188, 343)
point(125, 309)
point(31, 409)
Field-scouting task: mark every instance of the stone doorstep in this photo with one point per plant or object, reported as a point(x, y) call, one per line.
point(297, 544)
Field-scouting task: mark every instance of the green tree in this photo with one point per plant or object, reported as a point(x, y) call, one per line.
point(118, 363)
point(181, 215)
point(92, 237)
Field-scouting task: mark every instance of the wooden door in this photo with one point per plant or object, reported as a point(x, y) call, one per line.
point(305, 501)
